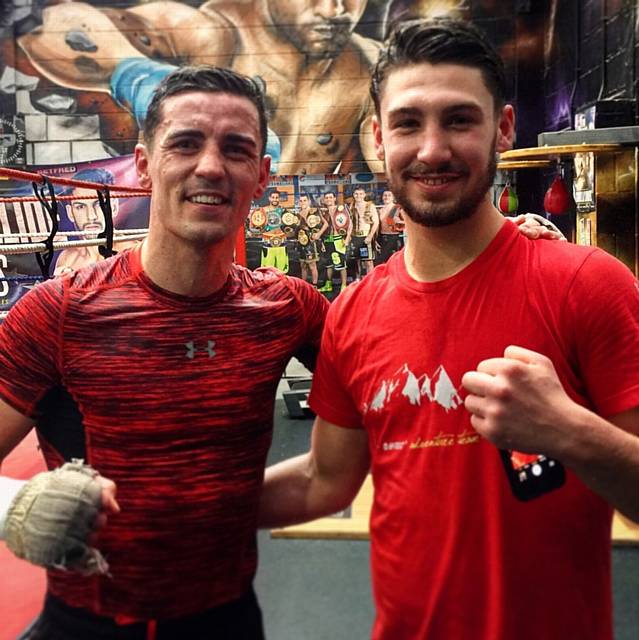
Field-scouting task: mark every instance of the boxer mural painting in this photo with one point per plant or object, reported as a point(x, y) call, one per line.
point(312, 56)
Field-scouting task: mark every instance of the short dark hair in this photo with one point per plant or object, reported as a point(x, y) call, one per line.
point(204, 78)
point(91, 174)
point(436, 41)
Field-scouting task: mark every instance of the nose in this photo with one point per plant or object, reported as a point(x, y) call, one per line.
point(434, 150)
point(328, 9)
point(94, 211)
point(210, 162)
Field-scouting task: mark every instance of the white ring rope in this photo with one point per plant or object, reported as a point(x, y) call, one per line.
point(45, 234)
point(15, 249)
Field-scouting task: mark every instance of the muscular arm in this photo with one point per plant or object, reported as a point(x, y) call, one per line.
point(517, 402)
point(373, 232)
point(317, 483)
point(13, 428)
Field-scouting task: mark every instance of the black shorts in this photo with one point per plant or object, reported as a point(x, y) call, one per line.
point(237, 620)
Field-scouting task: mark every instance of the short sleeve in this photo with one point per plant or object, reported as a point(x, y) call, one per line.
point(314, 309)
point(603, 303)
point(29, 347)
point(329, 397)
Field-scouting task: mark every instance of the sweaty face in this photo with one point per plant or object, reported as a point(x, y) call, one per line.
point(319, 28)
point(204, 167)
point(438, 136)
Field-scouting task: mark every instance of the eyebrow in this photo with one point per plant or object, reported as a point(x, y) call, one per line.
point(415, 111)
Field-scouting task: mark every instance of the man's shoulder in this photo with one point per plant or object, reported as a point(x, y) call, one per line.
point(104, 272)
point(359, 296)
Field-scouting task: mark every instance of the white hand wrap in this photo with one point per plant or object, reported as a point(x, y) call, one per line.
point(50, 519)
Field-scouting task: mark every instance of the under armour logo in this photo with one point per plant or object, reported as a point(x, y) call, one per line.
point(191, 349)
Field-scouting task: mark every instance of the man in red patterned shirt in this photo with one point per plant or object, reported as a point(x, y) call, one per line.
point(171, 396)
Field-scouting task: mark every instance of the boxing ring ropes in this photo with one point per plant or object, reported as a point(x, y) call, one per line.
point(43, 243)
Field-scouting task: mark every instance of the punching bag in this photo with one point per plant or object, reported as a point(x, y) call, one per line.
point(508, 202)
point(557, 199)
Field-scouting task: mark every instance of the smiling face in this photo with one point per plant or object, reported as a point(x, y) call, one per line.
point(319, 28)
point(437, 134)
point(359, 195)
point(204, 167)
point(388, 197)
point(274, 199)
point(329, 200)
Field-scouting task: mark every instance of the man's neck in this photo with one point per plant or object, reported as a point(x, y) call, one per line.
point(437, 253)
point(185, 269)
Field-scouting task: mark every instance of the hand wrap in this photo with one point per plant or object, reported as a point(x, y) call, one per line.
point(50, 519)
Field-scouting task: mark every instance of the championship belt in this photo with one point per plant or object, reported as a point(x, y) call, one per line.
point(289, 222)
point(258, 218)
point(274, 218)
point(313, 220)
point(302, 237)
point(340, 220)
point(274, 238)
point(290, 219)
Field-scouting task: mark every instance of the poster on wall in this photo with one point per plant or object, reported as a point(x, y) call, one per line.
point(25, 220)
point(320, 228)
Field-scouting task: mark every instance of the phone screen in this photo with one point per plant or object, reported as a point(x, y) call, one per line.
point(530, 475)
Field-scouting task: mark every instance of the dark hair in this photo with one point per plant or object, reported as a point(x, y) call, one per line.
point(92, 174)
point(304, 194)
point(436, 41)
point(204, 78)
point(96, 174)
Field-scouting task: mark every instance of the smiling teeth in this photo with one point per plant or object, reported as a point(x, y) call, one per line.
point(435, 181)
point(206, 199)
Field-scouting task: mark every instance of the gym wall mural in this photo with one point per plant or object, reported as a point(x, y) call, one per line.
point(77, 75)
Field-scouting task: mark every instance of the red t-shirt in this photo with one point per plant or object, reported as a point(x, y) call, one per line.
point(454, 554)
point(172, 398)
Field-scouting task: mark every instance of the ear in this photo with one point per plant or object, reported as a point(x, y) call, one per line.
point(505, 129)
point(141, 159)
point(377, 136)
point(115, 206)
point(264, 174)
point(69, 209)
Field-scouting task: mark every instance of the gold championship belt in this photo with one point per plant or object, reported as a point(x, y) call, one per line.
point(313, 220)
point(290, 219)
point(258, 218)
point(274, 238)
point(289, 222)
point(340, 220)
point(302, 237)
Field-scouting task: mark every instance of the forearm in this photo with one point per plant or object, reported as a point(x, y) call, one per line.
point(294, 491)
point(606, 458)
point(9, 488)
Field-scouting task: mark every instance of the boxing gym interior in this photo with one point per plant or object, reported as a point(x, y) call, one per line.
point(68, 131)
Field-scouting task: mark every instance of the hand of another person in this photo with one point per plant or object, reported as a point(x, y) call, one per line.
point(534, 226)
point(52, 518)
point(517, 402)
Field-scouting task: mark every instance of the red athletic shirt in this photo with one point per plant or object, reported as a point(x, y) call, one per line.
point(454, 554)
point(172, 398)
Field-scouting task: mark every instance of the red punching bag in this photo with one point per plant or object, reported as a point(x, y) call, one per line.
point(507, 202)
point(557, 199)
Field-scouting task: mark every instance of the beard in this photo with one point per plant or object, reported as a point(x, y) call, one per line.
point(433, 214)
point(337, 33)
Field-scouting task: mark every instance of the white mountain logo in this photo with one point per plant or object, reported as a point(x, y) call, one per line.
point(404, 383)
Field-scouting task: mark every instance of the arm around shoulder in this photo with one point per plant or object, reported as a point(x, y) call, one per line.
point(320, 482)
